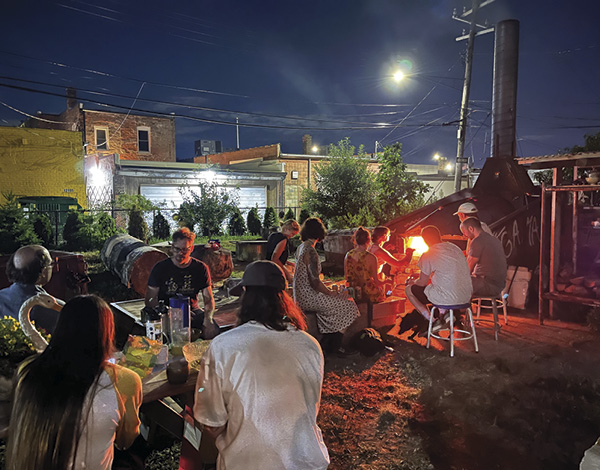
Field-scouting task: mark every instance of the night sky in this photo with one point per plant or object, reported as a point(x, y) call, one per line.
point(313, 67)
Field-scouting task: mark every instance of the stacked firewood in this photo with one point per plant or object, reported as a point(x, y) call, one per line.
point(580, 286)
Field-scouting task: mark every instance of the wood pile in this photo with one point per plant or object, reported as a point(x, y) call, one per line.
point(579, 286)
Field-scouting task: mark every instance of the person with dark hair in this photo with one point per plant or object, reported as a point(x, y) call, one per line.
point(29, 268)
point(444, 279)
point(278, 247)
point(71, 406)
point(259, 385)
point(381, 235)
point(486, 259)
point(187, 276)
point(360, 269)
point(335, 310)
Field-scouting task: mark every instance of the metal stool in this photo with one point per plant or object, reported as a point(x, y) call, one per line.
point(494, 302)
point(468, 334)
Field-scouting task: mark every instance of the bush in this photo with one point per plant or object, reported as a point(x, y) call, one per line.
point(160, 227)
point(105, 226)
point(304, 214)
point(237, 226)
point(81, 232)
point(281, 215)
point(72, 227)
point(289, 215)
point(209, 207)
point(43, 228)
point(253, 221)
point(270, 219)
point(185, 216)
point(15, 229)
point(137, 226)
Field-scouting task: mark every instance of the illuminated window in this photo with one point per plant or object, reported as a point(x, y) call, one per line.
point(143, 139)
point(101, 138)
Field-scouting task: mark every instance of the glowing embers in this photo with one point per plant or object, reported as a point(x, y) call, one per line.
point(417, 244)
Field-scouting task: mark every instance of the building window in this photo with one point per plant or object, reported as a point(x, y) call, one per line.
point(101, 138)
point(294, 175)
point(143, 140)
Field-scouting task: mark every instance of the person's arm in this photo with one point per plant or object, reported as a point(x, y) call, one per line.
point(311, 259)
point(372, 267)
point(129, 391)
point(346, 266)
point(474, 254)
point(472, 262)
point(210, 408)
point(214, 432)
point(275, 258)
point(423, 280)
point(151, 299)
point(392, 260)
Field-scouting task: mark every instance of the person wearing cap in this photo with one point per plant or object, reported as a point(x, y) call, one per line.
point(259, 385)
point(468, 209)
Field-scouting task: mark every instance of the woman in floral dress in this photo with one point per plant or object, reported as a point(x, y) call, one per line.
point(335, 310)
point(360, 268)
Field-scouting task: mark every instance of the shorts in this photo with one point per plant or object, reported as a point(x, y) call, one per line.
point(419, 293)
point(482, 288)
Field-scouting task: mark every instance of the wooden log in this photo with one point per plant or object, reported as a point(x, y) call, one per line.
point(250, 250)
point(577, 281)
point(131, 260)
point(576, 290)
point(219, 262)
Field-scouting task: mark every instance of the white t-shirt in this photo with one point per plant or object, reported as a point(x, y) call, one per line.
point(449, 273)
point(266, 386)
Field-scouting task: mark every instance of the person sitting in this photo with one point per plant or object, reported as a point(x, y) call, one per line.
point(469, 210)
point(259, 385)
point(278, 247)
point(381, 235)
point(29, 268)
point(360, 268)
point(187, 276)
point(445, 279)
point(335, 311)
point(71, 406)
point(486, 260)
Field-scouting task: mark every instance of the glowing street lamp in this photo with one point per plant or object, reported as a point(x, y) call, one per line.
point(398, 76)
point(436, 157)
point(315, 149)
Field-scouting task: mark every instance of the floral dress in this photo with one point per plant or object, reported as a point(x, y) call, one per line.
point(334, 313)
point(358, 275)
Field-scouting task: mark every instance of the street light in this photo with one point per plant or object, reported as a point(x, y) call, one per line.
point(436, 157)
point(315, 149)
point(398, 76)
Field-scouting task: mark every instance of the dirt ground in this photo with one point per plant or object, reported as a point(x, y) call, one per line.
point(531, 400)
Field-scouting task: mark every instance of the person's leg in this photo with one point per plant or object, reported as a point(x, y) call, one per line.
point(482, 288)
point(416, 296)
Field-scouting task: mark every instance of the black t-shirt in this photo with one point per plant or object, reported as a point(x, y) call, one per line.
point(272, 243)
point(187, 281)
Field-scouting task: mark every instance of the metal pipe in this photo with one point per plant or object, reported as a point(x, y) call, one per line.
point(504, 100)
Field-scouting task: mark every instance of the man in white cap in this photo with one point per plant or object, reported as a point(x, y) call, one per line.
point(467, 210)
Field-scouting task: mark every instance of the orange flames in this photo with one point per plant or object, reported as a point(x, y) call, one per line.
point(418, 244)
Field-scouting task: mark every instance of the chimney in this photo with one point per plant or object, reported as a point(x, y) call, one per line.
point(504, 101)
point(71, 98)
point(306, 144)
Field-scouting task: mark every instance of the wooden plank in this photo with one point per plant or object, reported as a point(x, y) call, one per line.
point(577, 188)
point(557, 174)
point(574, 223)
point(543, 240)
point(573, 299)
point(156, 386)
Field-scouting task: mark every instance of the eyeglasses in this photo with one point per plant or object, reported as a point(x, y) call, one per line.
point(53, 264)
point(183, 251)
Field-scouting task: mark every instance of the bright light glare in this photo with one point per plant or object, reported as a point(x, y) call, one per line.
point(208, 175)
point(418, 244)
point(449, 167)
point(436, 156)
point(398, 76)
point(96, 176)
point(315, 149)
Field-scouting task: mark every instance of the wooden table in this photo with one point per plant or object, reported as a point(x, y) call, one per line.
point(161, 410)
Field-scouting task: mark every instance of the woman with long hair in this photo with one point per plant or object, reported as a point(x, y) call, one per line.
point(335, 310)
point(360, 268)
point(71, 406)
point(259, 385)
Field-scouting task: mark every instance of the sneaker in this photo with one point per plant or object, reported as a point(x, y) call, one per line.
point(438, 325)
point(343, 352)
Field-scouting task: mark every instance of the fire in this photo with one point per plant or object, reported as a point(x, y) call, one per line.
point(418, 244)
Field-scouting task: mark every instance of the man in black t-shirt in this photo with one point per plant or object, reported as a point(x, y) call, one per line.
point(187, 276)
point(278, 249)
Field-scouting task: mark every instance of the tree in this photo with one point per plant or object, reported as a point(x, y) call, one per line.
point(237, 226)
point(304, 214)
point(270, 219)
point(289, 215)
point(344, 183)
point(253, 220)
point(592, 144)
point(160, 227)
point(15, 229)
point(129, 201)
point(137, 226)
point(398, 192)
point(105, 226)
point(208, 207)
point(81, 232)
point(43, 228)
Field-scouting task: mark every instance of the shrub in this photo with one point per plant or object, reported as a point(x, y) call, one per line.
point(43, 228)
point(72, 227)
point(237, 226)
point(15, 229)
point(253, 220)
point(366, 217)
point(208, 206)
point(304, 214)
point(105, 227)
point(137, 226)
point(160, 227)
point(289, 214)
point(270, 219)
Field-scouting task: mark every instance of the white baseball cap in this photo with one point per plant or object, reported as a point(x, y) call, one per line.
point(466, 208)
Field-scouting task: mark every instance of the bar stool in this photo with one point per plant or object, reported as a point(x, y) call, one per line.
point(467, 334)
point(494, 302)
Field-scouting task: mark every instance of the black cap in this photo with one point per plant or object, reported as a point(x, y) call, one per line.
point(261, 273)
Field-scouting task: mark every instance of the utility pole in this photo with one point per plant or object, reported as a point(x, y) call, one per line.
point(237, 133)
point(464, 105)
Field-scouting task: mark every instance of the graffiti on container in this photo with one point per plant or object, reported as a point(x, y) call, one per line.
point(510, 236)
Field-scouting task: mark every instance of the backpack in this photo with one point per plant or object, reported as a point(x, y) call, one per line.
point(368, 342)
